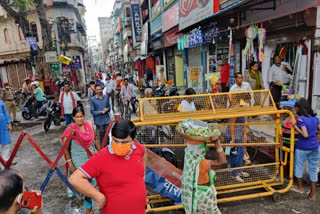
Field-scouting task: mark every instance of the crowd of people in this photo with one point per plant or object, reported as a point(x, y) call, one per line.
point(118, 169)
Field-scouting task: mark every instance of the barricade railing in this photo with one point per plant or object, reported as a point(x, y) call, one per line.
point(160, 116)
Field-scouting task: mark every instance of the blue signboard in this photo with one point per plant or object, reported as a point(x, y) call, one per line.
point(136, 22)
point(32, 42)
point(76, 63)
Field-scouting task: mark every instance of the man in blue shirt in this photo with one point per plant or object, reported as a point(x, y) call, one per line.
point(100, 108)
point(98, 81)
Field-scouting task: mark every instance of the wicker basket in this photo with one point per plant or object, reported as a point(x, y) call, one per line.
point(196, 140)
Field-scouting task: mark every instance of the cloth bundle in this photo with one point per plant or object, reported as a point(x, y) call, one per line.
point(198, 128)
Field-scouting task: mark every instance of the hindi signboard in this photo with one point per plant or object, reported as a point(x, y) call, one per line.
point(76, 63)
point(136, 24)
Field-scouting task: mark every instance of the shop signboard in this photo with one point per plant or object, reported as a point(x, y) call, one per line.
point(144, 39)
point(193, 11)
point(156, 9)
point(170, 38)
point(76, 63)
point(32, 42)
point(170, 18)
point(136, 24)
point(194, 74)
point(55, 69)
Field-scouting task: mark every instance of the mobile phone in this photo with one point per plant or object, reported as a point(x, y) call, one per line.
point(31, 200)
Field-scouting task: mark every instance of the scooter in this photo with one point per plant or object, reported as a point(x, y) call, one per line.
point(53, 114)
point(28, 112)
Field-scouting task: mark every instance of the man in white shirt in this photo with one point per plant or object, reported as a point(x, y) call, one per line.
point(279, 75)
point(241, 86)
point(109, 89)
point(69, 101)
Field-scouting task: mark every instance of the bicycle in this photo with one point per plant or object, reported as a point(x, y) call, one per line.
point(119, 103)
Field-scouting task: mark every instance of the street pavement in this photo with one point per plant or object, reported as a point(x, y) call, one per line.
point(35, 169)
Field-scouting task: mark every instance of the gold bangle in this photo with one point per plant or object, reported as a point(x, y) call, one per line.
point(220, 150)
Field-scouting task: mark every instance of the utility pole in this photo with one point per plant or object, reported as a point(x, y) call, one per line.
point(55, 24)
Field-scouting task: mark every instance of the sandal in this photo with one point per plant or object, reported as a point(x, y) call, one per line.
point(295, 189)
point(309, 196)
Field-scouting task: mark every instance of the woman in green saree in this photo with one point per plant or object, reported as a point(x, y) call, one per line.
point(199, 195)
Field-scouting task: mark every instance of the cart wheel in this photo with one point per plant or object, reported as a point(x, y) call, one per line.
point(276, 197)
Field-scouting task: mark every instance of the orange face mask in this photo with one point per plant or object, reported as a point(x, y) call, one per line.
point(121, 149)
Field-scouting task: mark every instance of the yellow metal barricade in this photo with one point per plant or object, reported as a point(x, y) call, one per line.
point(169, 111)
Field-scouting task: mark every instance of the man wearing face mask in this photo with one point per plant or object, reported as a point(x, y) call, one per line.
point(110, 87)
point(100, 108)
point(11, 193)
point(8, 99)
point(119, 170)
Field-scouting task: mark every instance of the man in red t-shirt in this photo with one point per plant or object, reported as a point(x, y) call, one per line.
point(225, 74)
point(119, 170)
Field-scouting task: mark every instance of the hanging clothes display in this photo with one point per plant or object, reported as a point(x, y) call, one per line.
point(262, 39)
point(150, 64)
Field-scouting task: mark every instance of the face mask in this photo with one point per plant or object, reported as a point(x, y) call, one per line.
point(121, 149)
point(7, 87)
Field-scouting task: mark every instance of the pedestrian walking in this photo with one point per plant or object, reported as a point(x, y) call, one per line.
point(91, 89)
point(110, 88)
point(98, 81)
point(8, 99)
point(5, 129)
point(279, 75)
point(119, 169)
point(126, 91)
point(69, 100)
point(307, 147)
point(100, 108)
point(75, 154)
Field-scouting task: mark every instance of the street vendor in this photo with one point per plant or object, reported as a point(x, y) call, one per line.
point(197, 171)
point(198, 193)
point(279, 74)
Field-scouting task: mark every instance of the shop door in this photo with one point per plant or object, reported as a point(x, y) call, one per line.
point(4, 76)
point(179, 70)
point(12, 73)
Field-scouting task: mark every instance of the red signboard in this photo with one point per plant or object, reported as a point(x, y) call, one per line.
point(170, 18)
point(171, 37)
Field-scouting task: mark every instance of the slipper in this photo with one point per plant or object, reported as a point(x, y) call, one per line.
point(309, 196)
point(295, 189)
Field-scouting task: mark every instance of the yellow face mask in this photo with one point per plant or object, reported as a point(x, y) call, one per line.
point(121, 149)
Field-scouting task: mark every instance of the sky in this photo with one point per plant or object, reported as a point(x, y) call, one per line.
point(95, 9)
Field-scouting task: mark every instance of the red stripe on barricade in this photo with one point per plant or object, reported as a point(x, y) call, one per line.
point(15, 150)
point(37, 147)
point(63, 149)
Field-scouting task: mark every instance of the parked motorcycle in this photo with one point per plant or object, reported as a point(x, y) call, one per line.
point(157, 135)
point(28, 112)
point(53, 115)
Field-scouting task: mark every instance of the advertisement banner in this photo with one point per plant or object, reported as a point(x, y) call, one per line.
point(170, 18)
point(193, 11)
point(136, 24)
point(170, 38)
point(76, 63)
point(32, 42)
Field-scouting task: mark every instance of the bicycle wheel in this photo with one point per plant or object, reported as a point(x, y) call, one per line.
point(120, 106)
point(127, 114)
